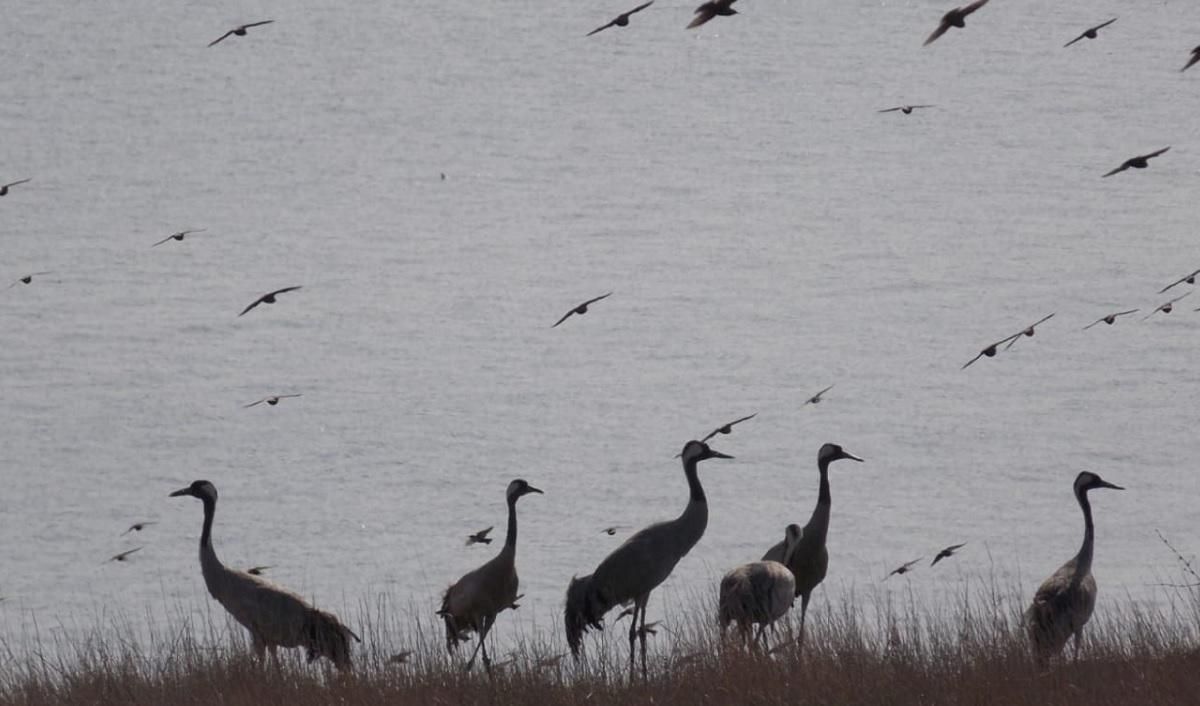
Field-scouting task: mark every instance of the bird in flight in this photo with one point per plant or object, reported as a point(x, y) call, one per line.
point(480, 537)
point(239, 31)
point(1091, 33)
point(258, 570)
point(903, 568)
point(711, 9)
point(27, 279)
point(610, 531)
point(581, 309)
point(1190, 279)
point(178, 236)
point(1139, 162)
point(270, 400)
point(268, 298)
point(727, 428)
point(1111, 318)
point(955, 18)
point(4, 188)
point(990, 351)
point(123, 556)
point(816, 399)
point(947, 552)
point(1194, 58)
point(906, 109)
point(1166, 307)
point(622, 19)
point(1028, 331)
point(137, 527)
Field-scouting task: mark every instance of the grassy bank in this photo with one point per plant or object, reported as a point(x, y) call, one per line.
point(878, 650)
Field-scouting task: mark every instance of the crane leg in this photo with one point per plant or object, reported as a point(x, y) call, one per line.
point(803, 615)
point(633, 631)
point(1078, 637)
point(642, 639)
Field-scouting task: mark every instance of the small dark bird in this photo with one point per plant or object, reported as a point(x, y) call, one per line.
point(990, 351)
point(955, 18)
point(947, 552)
point(1091, 33)
point(816, 399)
point(514, 605)
point(178, 236)
point(713, 8)
point(1190, 279)
point(581, 309)
point(269, 298)
point(727, 428)
point(400, 657)
point(137, 527)
point(270, 400)
point(906, 109)
point(1028, 331)
point(1140, 162)
point(239, 31)
point(480, 537)
point(1111, 318)
point(903, 568)
point(622, 19)
point(4, 188)
point(610, 531)
point(124, 556)
point(1166, 307)
point(258, 570)
point(27, 279)
point(1191, 62)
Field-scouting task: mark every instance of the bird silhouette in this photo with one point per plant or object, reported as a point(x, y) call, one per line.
point(816, 399)
point(27, 278)
point(622, 19)
point(1189, 278)
point(711, 9)
point(1111, 318)
point(581, 309)
point(947, 553)
point(1166, 307)
point(1191, 62)
point(1139, 162)
point(178, 236)
point(906, 109)
point(1091, 33)
point(903, 568)
point(480, 537)
point(268, 298)
point(1029, 331)
point(990, 351)
point(137, 527)
point(610, 531)
point(727, 428)
point(5, 187)
point(239, 31)
point(123, 556)
point(954, 18)
point(274, 400)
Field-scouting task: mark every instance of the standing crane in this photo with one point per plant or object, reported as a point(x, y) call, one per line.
point(810, 559)
point(759, 593)
point(639, 565)
point(274, 616)
point(472, 603)
point(1065, 601)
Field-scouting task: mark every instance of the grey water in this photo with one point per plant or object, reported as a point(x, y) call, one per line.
point(765, 232)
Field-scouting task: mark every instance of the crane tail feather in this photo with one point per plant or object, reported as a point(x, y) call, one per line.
point(584, 610)
point(325, 636)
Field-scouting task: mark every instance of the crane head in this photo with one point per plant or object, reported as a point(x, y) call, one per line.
point(833, 452)
point(694, 451)
point(519, 487)
point(1087, 480)
point(201, 489)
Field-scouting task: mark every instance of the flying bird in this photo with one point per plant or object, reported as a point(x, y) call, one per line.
point(1195, 57)
point(239, 31)
point(1190, 279)
point(947, 552)
point(622, 19)
point(610, 531)
point(1111, 318)
point(1028, 331)
point(123, 556)
point(137, 527)
point(903, 568)
point(4, 188)
point(711, 9)
point(727, 428)
point(268, 298)
point(480, 537)
point(178, 236)
point(581, 309)
point(270, 400)
point(258, 570)
point(816, 399)
point(1139, 162)
point(955, 18)
point(27, 279)
point(906, 109)
point(1091, 33)
point(1166, 307)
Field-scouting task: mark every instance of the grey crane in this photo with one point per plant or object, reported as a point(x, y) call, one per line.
point(1065, 601)
point(810, 558)
point(633, 570)
point(472, 603)
point(759, 593)
point(274, 616)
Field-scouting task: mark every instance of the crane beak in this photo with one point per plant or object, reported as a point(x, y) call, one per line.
point(181, 491)
point(531, 489)
point(852, 457)
point(713, 453)
point(1106, 484)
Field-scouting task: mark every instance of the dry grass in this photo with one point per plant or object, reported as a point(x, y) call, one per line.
point(878, 651)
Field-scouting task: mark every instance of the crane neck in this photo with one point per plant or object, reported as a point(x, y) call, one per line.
point(1083, 560)
point(510, 539)
point(210, 509)
point(818, 524)
point(696, 491)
